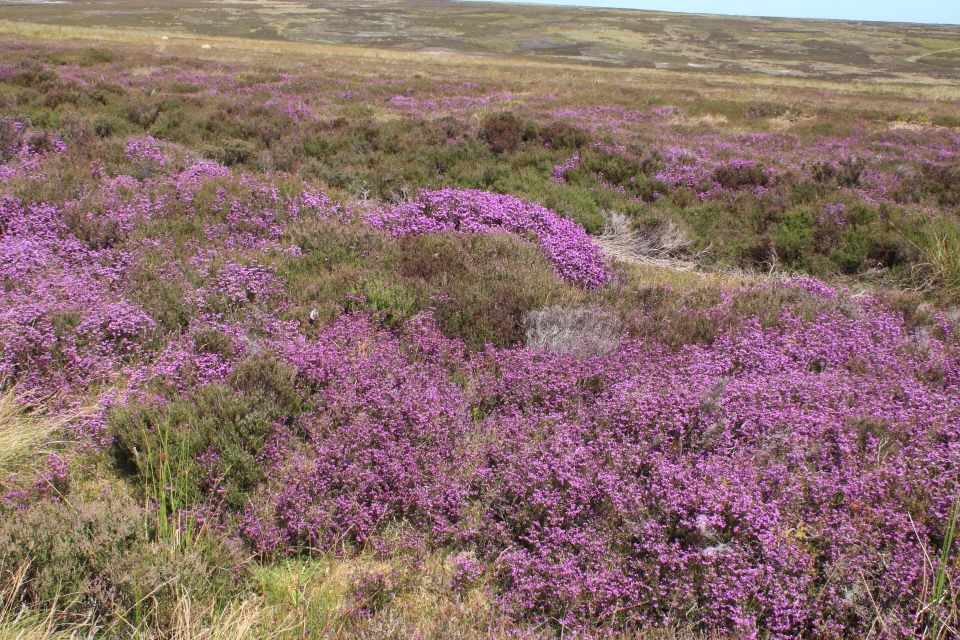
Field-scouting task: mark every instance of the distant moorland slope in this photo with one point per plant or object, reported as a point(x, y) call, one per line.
point(626, 38)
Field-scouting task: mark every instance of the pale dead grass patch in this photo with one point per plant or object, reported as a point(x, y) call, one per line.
point(666, 246)
point(580, 331)
point(24, 434)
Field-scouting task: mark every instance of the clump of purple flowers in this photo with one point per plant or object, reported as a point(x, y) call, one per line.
point(467, 570)
point(559, 172)
point(193, 177)
point(785, 477)
point(145, 150)
point(239, 284)
point(575, 256)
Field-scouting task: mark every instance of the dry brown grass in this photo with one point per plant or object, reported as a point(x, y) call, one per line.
point(24, 435)
point(579, 331)
point(18, 622)
point(660, 247)
point(192, 621)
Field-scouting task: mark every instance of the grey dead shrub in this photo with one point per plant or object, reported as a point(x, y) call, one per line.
point(580, 331)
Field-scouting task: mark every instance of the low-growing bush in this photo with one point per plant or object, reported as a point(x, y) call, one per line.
point(502, 131)
point(736, 175)
point(106, 126)
point(482, 285)
point(850, 170)
point(793, 237)
point(562, 135)
point(204, 448)
point(232, 152)
point(393, 302)
point(143, 112)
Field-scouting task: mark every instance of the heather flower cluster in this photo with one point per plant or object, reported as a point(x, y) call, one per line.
point(575, 256)
point(145, 149)
point(193, 177)
point(559, 172)
point(22, 149)
point(63, 317)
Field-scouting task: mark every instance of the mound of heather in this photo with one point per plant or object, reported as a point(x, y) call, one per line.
point(574, 255)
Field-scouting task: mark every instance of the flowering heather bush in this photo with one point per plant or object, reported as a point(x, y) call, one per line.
point(192, 178)
point(22, 150)
point(145, 150)
point(559, 172)
point(62, 321)
point(378, 449)
point(237, 284)
point(574, 255)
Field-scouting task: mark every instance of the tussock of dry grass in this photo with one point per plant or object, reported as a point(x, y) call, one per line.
point(23, 435)
point(657, 247)
point(580, 331)
point(192, 621)
point(20, 623)
point(941, 265)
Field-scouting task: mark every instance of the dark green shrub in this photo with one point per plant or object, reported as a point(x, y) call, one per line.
point(860, 214)
point(560, 135)
point(793, 237)
point(863, 247)
point(143, 113)
point(824, 172)
point(805, 192)
point(737, 176)
point(483, 285)
point(316, 147)
point(91, 57)
point(77, 130)
point(451, 127)
point(850, 171)
point(59, 97)
point(767, 304)
point(32, 74)
point(229, 423)
point(106, 126)
point(940, 182)
point(262, 377)
point(232, 152)
point(851, 254)
point(392, 302)
point(611, 167)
